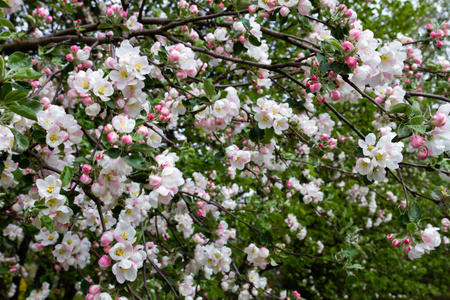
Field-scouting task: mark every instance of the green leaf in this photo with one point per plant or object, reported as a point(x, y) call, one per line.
point(208, 87)
point(23, 111)
point(412, 227)
point(27, 74)
point(415, 214)
point(21, 142)
point(238, 48)
point(66, 176)
point(4, 4)
point(400, 108)
point(246, 23)
point(113, 152)
point(268, 135)
point(416, 108)
point(19, 60)
point(216, 292)
point(356, 266)
point(46, 222)
point(7, 23)
point(417, 120)
point(135, 160)
point(23, 86)
point(418, 128)
point(105, 25)
point(403, 221)
point(265, 237)
point(140, 148)
point(15, 96)
point(254, 40)
point(5, 35)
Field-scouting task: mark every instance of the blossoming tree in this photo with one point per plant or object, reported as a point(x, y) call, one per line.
point(274, 149)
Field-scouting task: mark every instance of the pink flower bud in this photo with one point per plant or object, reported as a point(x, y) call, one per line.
point(142, 130)
point(120, 103)
point(242, 39)
point(439, 44)
point(438, 120)
point(112, 137)
point(423, 153)
point(174, 55)
point(88, 63)
point(127, 139)
point(85, 179)
point(347, 46)
point(154, 180)
point(150, 116)
point(351, 62)
point(335, 96)
point(284, 11)
point(407, 241)
point(165, 111)
point(445, 25)
point(315, 87)
point(104, 262)
point(320, 99)
point(157, 108)
point(108, 128)
point(99, 156)
point(161, 118)
point(181, 74)
point(94, 289)
point(252, 8)
point(264, 150)
point(433, 35)
point(430, 26)
point(416, 141)
point(390, 237)
point(69, 57)
point(396, 243)
point(86, 169)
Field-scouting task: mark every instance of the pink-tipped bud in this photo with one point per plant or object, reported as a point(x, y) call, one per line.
point(430, 26)
point(108, 128)
point(252, 8)
point(351, 62)
point(99, 156)
point(94, 289)
point(127, 139)
point(433, 35)
point(69, 57)
point(284, 11)
point(439, 44)
point(154, 180)
point(106, 238)
point(157, 108)
point(182, 74)
point(150, 116)
point(86, 169)
point(165, 111)
point(416, 141)
point(142, 130)
point(347, 46)
point(438, 120)
point(315, 87)
point(161, 118)
point(423, 153)
point(407, 241)
point(85, 179)
point(320, 99)
point(104, 262)
point(335, 96)
point(390, 237)
point(354, 34)
point(396, 243)
point(112, 137)
point(174, 55)
point(264, 150)
point(445, 26)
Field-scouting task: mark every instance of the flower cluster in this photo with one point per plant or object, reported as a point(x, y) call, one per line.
point(379, 155)
point(257, 256)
